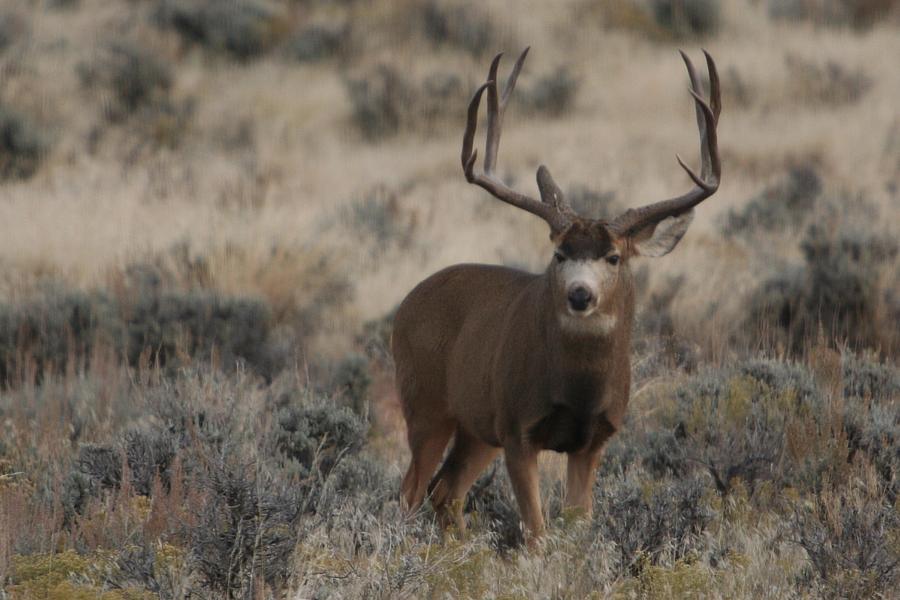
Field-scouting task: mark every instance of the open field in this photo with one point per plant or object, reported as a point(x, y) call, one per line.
point(210, 209)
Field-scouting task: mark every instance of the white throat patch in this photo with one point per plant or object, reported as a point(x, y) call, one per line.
point(595, 323)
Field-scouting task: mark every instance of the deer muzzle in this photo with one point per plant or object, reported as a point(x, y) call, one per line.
point(580, 297)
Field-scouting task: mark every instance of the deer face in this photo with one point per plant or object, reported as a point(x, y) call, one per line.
point(585, 271)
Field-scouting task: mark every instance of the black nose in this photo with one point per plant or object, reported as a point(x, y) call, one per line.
point(579, 297)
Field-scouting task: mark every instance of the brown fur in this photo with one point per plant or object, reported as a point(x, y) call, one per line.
point(498, 358)
point(480, 356)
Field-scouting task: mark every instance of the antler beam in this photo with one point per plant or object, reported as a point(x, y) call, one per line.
point(707, 182)
point(553, 210)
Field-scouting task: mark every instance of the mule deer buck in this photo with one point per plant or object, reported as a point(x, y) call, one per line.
point(497, 358)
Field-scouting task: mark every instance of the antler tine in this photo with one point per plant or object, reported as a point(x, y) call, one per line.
point(468, 155)
point(712, 112)
point(513, 77)
point(707, 182)
point(694, 90)
point(715, 97)
point(707, 124)
point(694, 79)
point(494, 118)
point(557, 219)
point(497, 107)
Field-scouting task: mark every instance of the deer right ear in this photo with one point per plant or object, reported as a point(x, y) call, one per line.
point(660, 238)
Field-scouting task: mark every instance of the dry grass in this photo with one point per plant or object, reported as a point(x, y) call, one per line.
point(243, 172)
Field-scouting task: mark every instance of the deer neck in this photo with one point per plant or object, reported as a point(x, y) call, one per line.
point(583, 361)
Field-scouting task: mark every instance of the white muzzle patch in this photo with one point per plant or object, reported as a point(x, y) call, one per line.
point(598, 277)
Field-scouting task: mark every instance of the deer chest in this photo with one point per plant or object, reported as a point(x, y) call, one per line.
point(573, 419)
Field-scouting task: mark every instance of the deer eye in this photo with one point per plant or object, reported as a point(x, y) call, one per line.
point(559, 256)
point(613, 259)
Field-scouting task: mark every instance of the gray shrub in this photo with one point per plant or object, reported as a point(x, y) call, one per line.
point(23, 145)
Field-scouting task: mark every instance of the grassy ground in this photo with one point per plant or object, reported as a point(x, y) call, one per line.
point(210, 210)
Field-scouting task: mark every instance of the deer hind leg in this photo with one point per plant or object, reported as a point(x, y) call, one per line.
point(465, 462)
point(427, 447)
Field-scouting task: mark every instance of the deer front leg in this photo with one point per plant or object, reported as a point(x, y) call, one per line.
point(521, 463)
point(581, 473)
point(581, 470)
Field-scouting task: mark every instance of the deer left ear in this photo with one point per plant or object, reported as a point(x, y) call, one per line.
point(660, 238)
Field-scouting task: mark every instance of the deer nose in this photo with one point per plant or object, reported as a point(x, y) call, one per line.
point(579, 297)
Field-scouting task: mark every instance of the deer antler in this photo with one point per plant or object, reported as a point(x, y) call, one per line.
point(553, 208)
point(707, 182)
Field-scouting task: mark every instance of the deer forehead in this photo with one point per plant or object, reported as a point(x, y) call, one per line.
point(586, 241)
point(593, 272)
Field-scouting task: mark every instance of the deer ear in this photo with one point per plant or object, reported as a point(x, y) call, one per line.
point(658, 239)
